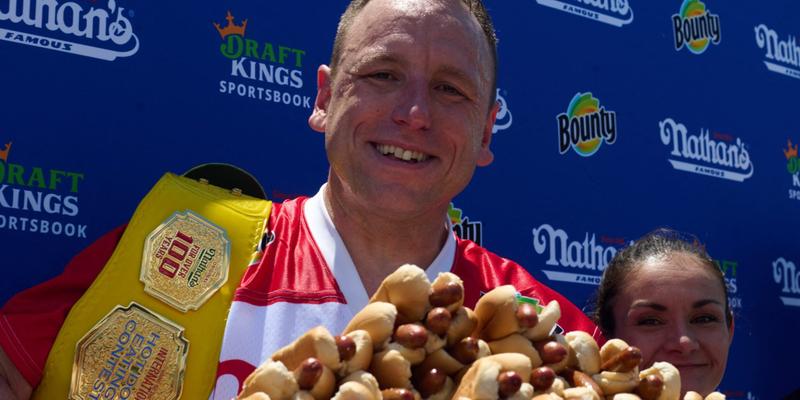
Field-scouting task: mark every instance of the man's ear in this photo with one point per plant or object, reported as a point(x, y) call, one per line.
point(319, 116)
point(485, 155)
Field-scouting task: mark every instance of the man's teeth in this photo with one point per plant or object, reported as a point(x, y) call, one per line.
point(401, 153)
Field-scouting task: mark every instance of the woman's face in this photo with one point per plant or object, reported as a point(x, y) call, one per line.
point(673, 309)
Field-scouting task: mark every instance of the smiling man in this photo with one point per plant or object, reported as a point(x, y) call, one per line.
point(407, 107)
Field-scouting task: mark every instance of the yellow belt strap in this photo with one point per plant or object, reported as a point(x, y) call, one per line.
point(242, 217)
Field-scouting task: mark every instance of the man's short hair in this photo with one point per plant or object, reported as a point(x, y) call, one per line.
point(476, 7)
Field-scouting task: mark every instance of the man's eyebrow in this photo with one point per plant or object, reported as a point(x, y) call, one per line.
point(375, 57)
point(457, 73)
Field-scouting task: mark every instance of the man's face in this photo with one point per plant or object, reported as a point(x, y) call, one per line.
point(406, 114)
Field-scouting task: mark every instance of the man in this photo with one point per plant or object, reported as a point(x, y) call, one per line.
point(407, 107)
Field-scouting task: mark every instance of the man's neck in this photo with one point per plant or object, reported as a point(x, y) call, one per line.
point(378, 243)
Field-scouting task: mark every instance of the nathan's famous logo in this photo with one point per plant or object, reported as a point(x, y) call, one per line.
point(612, 12)
point(782, 55)
point(787, 276)
point(793, 167)
point(694, 27)
point(97, 32)
point(729, 269)
point(719, 155)
point(264, 62)
point(463, 227)
point(590, 256)
point(36, 199)
point(504, 117)
point(585, 126)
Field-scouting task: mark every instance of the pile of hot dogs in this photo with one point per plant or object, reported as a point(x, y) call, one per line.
point(415, 340)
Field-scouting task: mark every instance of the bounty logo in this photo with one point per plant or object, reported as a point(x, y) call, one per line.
point(783, 55)
point(463, 227)
point(102, 33)
point(504, 117)
point(261, 70)
point(694, 27)
point(785, 274)
point(612, 12)
point(793, 167)
point(584, 261)
point(729, 269)
point(39, 200)
point(721, 155)
point(585, 126)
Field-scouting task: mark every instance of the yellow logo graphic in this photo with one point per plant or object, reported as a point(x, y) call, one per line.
point(4, 152)
point(231, 28)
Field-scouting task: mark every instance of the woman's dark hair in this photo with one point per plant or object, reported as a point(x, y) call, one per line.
point(659, 243)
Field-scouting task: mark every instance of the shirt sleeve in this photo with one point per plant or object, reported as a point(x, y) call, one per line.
point(31, 320)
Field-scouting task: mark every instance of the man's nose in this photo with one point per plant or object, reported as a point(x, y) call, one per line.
point(413, 108)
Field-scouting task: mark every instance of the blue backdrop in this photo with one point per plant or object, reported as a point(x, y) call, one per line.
point(618, 118)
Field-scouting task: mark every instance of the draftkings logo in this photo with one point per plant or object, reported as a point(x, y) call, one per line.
point(729, 269)
point(719, 154)
point(694, 27)
point(38, 200)
point(786, 275)
point(793, 167)
point(504, 117)
point(585, 126)
point(577, 261)
point(463, 227)
point(261, 70)
point(612, 12)
point(782, 55)
point(104, 33)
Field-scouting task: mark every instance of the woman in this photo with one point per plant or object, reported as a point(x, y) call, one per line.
point(665, 295)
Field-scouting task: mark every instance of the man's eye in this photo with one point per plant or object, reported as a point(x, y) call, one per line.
point(382, 76)
point(450, 90)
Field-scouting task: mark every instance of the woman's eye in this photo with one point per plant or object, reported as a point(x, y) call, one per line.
point(705, 319)
point(648, 322)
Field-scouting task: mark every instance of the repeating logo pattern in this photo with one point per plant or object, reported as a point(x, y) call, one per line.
point(66, 26)
point(719, 155)
point(504, 117)
point(39, 200)
point(782, 55)
point(585, 126)
point(612, 12)
point(694, 27)
point(578, 261)
point(786, 275)
point(463, 227)
point(261, 70)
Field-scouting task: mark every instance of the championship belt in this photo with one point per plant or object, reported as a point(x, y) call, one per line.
point(151, 324)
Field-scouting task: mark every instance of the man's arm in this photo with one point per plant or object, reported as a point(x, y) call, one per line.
point(12, 384)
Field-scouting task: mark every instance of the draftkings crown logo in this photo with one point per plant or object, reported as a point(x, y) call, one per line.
point(793, 168)
point(260, 70)
point(5, 151)
point(463, 227)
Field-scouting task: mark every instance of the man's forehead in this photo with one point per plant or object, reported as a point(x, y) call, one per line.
point(444, 22)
